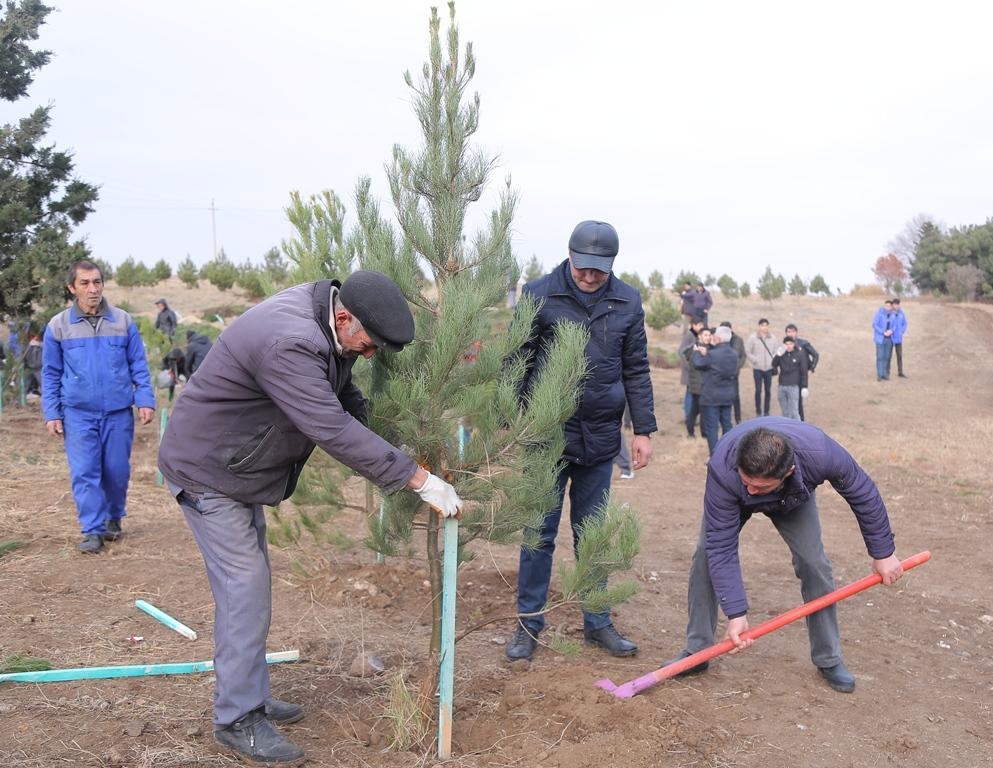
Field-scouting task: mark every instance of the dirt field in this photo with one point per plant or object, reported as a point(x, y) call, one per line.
point(922, 651)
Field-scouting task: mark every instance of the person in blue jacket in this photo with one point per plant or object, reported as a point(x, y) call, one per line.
point(93, 372)
point(882, 337)
point(583, 290)
point(772, 466)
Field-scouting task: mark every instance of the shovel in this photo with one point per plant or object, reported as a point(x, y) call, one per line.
point(629, 689)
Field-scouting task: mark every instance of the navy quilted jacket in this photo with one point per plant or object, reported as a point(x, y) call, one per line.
point(618, 360)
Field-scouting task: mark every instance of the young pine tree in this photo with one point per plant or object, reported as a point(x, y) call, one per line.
point(506, 471)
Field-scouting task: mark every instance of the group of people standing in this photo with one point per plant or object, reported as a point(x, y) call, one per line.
point(711, 360)
point(888, 328)
point(793, 358)
point(278, 383)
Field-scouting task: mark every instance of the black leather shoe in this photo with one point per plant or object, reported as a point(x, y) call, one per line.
point(701, 667)
point(113, 532)
point(902, 375)
point(282, 712)
point(838, 677)
point(522, 645)
point(91, 544)
point(610, 640)
point(255, 739)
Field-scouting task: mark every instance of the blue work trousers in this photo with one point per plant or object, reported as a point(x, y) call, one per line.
point(98, 448)
point(589, 490)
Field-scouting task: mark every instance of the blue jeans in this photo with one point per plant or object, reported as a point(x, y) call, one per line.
point(691, 407)
point(710, 417)
point(98, 447)
point(883, 352)
point(588, 492)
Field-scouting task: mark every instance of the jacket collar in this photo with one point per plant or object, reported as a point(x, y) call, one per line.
point(560, 286)
point(792, 493)
point(322, 310)
point(76, 315)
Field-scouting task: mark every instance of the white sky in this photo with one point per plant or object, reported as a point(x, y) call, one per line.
point(715, 136)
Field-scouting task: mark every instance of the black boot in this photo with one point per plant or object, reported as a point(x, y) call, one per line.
point(838, 677)
point(610, 640)
point(522, 645)
point(283, 712)
point(255, 739)
point(91, 544)
point(701, 667)
point(113, 532)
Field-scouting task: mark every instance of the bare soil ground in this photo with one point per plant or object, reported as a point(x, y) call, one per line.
point(922, 651)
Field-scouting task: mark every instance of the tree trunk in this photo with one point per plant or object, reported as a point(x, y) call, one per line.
point(434, 568)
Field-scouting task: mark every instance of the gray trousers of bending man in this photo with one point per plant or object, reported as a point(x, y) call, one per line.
point(801, 530)
point(232, 540)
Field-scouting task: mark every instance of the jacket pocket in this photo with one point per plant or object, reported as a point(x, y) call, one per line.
point(249, 454)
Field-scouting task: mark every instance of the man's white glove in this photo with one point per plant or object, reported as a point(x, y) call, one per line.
point(804, 392)
point(780, 350)
point(440, 495)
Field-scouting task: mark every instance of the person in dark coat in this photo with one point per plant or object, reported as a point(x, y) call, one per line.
point(277, 383)
point(702, 302)
point(813, 358)
point(197, 347)
point(738, 345)
point(690, 377)
point(166, 319)
point(686, 305)
point(773, 466)
point(719, 366)
point(791, 365)
point(582, 289)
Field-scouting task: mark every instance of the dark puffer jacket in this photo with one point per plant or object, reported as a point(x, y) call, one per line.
point(720, 371)
point(618, 361)
point(818, 459)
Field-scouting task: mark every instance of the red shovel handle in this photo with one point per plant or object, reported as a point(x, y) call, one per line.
point(670, 670)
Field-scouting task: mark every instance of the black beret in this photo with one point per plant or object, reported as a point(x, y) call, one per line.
point(381, 308)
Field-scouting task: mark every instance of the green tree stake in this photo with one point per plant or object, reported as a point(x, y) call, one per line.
point(447, 682)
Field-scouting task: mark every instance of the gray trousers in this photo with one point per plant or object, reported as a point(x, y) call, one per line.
point(801, 530)
point(232, 540)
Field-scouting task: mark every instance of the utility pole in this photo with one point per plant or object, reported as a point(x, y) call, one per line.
point(213, 227)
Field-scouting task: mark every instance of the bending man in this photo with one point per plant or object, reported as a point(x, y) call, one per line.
point(276, 383)
point(773, 466)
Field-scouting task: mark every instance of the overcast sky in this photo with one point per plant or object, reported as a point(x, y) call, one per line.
point(715, 136)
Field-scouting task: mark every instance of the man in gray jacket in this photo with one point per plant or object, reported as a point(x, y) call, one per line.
point(759, 351)
point(277, 383)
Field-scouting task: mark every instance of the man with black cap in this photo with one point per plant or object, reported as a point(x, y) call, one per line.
point(277, 383)
point(583, 290)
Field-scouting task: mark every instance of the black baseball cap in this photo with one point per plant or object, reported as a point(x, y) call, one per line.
point(593, 245)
